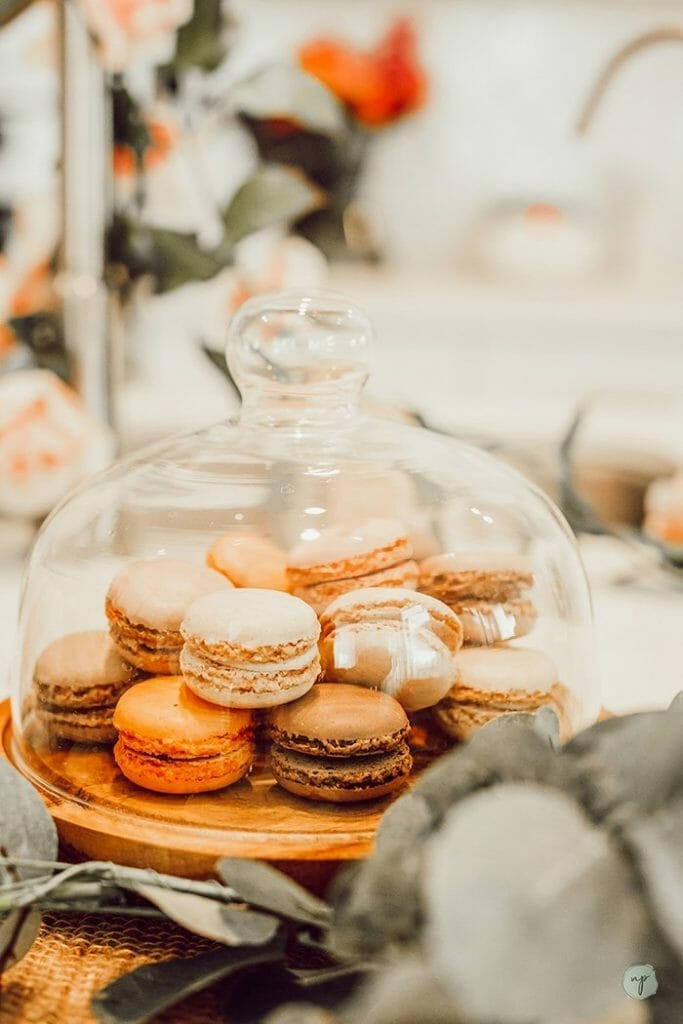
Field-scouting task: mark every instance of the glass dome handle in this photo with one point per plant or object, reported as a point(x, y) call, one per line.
point(307, 345)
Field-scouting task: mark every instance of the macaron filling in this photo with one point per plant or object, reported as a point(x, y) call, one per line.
point(352, 774)
point(323, 746)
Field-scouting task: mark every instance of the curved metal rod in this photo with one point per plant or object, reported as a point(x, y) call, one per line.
point(667, 34)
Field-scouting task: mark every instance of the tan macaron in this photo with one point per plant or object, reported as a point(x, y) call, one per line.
point(376, 552)
point(145, 605)
point(488, 591)
point(498, 680)
point(392, 639)
point(77, 681)
point(340, 743)
point(250, 648)
point(249, 560)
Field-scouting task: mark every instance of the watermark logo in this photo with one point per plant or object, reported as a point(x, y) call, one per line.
point(640, 981)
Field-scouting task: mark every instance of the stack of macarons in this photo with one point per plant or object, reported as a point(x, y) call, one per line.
point(375, 553)
point(333, 642)
point(488, 591)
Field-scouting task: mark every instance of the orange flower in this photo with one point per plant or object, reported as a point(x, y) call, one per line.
point(162, 140)
point(379, 86)
point(35, 293)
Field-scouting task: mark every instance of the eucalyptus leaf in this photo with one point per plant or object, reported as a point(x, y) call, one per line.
point(141, 994)
point(519, 878)
point(547, 725)
point(18, 931)
point(404, 992)
point(406, 821)
point(378, 904)
point(26, 828)
point(299, 1013)
point(286, 91)
point(9, 9)
point(656, 844)
point(263, 886)
point(210, 918)
point(274, 194)
point(629, 766)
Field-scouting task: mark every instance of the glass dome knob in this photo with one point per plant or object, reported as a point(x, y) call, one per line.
point(309, 347)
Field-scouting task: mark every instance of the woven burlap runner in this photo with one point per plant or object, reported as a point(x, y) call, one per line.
point(76, 955)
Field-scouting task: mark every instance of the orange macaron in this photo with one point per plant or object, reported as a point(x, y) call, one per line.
point(172, 741)
point(248, 559)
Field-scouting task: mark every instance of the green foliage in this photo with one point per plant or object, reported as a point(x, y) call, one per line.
point(273, 195)
point(200, 41)
point(9, 9)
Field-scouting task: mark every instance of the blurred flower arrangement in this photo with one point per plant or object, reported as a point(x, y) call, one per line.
point(327, 135)
point(239, 185)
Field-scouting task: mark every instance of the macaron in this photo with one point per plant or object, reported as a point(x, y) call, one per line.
point(495, 681)
point(77, 681)
point(392, 639)
point(376, 552)
point(340, 743)
point(171, 741)
point(145, 605)
point(488, 591)
point(250, 648)
point(249, 560)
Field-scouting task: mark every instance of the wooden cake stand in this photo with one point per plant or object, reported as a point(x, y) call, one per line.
point(100, 815)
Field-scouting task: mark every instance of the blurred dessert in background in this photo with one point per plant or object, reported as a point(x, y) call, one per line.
point(663, 520)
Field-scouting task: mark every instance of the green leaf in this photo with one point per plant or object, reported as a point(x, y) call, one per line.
point(210, 918)
point(199, 42)
point(26, 828)
point(9, 9)
point(273, 195)
point(176, 259)
point(286, 91)
point(18, 931)
point(262, 886)
point(143, 993)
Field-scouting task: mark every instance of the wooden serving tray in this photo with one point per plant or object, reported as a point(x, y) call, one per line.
point(105, 817)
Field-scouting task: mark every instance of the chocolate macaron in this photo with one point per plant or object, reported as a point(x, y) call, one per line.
point(499, 680)
point(77, 681)
point(250, 648)
point(392, 639)
point(340, 743)
point(375, 553)
point(171, 741)
point(488, 591)
point(145, 605)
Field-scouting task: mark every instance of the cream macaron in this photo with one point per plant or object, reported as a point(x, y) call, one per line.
point(250, 648)
point(488, 590)
point(145, 605)
point(396, 640)
point(249, 560)
point(499, 680)
point(376, 552)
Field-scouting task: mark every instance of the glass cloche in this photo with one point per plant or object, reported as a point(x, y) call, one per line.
point(293, 610)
